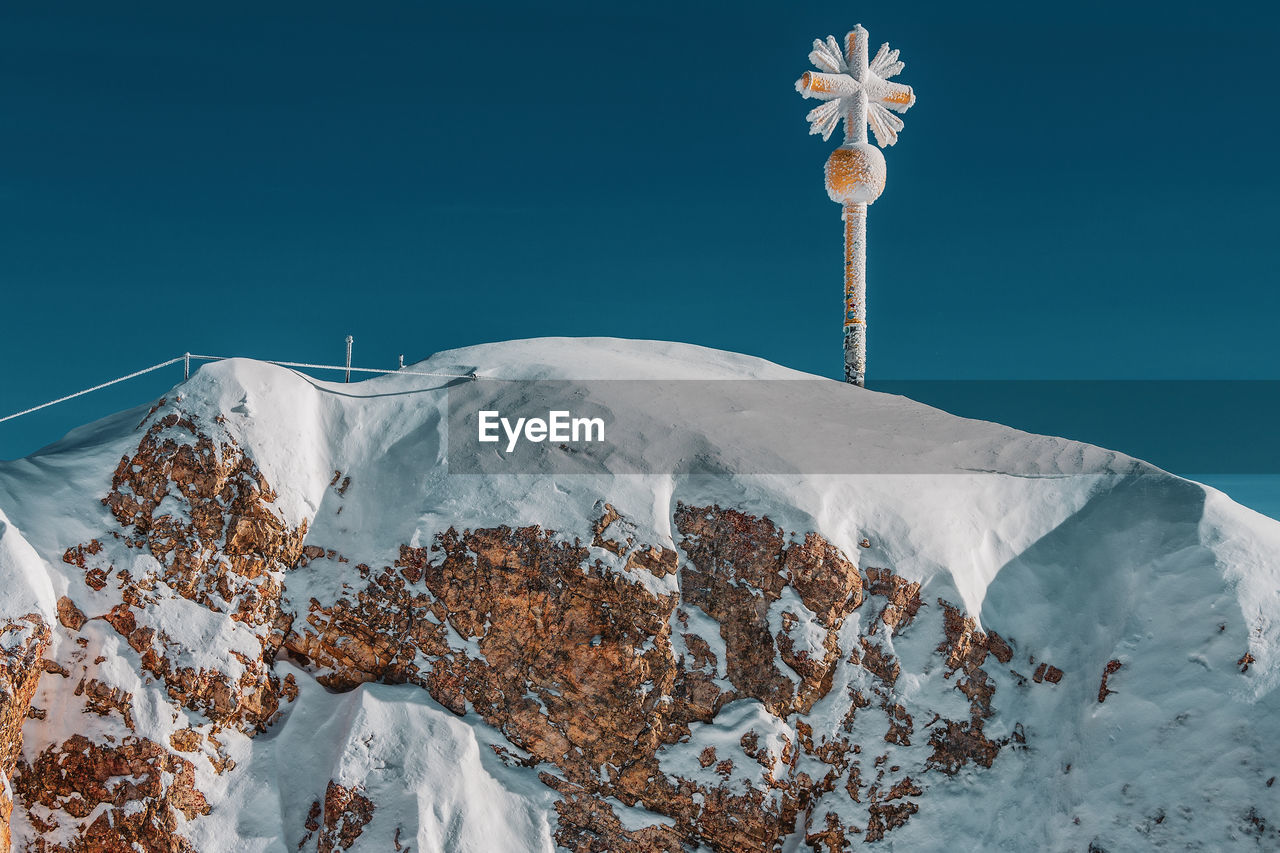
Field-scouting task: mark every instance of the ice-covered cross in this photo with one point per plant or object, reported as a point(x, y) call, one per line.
point(857, 91)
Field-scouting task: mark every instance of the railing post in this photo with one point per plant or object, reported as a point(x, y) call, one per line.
point(186, 365)
point(402, 361)
point(349, 340)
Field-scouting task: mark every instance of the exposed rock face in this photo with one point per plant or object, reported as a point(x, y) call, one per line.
point(337, 822)
point(22, 646)
point(739, 569)
point(585, 669)
point(203, 511)
point(142, 786)
point(598, 663)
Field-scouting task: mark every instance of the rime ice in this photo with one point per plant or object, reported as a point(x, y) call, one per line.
point(856, 91)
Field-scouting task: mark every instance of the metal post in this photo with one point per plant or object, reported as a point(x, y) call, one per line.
point(186, 365)
point(855, 293)
point(349, 340)
point(402, 361)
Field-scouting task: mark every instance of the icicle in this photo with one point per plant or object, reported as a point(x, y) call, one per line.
point(886, 63)
point(884, 136)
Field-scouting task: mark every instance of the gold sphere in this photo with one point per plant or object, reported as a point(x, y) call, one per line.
point(855, 173)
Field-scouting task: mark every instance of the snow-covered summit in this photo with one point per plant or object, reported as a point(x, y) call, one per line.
point(985, 635)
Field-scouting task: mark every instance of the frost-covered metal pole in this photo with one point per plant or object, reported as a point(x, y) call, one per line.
point(857, 91)
point(349, 340)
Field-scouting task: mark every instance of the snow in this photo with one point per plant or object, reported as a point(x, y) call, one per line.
point(701, 625)
point(431, 775)
point(27, 579)
point(725, 736)
point(1091, 554)
point(807, 633)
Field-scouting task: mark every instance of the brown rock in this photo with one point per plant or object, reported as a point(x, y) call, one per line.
point(573, 659)
point(1113, 666)
point(346, 813)
point(740, 565)
point(903, 597)
point(77, 776)
point(69, 615)
point(186, 740)
point(102, 699)
point(227, 545)
point(999, 647)
point(21, 665)
point(595, 648)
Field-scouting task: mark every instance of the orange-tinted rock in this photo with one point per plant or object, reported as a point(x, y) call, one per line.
point(561, 646)
point(102, 699)
point(834, 837)
point(903, 597)
point(960, 743)
point(965, 646)
point(186, 740)
point(69, 615)
point(225, 543)
point(739, 567)
point(346, 813)
point(21, 665)
point(587, 824)
point(143, 786)
point(999, 647)
point(1045, 672)
point(574, 663)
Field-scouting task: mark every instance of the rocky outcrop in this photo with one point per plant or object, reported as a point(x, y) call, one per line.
point(587, 670)
point(598, 661)
point(141, 787)
point(738, 569)
point(204, 511)
point(337, 822)
point(22, 646)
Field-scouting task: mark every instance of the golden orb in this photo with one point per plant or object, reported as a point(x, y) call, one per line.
point(855, 173)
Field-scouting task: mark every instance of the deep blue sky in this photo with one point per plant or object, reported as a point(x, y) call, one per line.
point(1081, 191)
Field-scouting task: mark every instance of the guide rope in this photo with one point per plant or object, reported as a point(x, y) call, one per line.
point(186, 356)
point(344, 367)
point(88, 390)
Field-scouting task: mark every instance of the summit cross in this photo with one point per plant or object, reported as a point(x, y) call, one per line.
point(858, 91)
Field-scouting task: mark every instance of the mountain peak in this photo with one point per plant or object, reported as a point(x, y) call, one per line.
point(266, 612)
